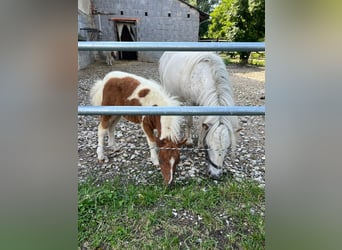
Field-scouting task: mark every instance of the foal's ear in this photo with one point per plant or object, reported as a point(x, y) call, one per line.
point(159, 142)
point(181, 142)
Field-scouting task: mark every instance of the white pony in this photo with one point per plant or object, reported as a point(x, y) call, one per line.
point(201, 78)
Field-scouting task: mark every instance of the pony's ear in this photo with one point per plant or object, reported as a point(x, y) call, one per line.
point(206, 126)
point(237, 134)
point(238, 130)
point(181, 142)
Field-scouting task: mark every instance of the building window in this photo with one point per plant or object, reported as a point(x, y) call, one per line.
point(146, 14)
point(188, 15)
point(121, 12)
point(169, 14)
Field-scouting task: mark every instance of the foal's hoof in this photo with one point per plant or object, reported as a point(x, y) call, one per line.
point(155, 162)
point(102, 160)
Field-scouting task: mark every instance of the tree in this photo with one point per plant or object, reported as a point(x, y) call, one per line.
point(247, 19)
point(206, 6)
point(219, 20)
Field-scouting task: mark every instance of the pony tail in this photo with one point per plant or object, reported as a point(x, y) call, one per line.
point(96, 93)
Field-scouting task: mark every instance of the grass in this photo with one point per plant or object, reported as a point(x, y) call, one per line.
point(198, 215)
point(256, 58)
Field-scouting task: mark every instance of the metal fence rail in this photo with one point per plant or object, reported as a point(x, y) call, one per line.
point(182, 110)
point(171, 46)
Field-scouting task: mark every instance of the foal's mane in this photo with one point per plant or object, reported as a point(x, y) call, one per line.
point(170, 125)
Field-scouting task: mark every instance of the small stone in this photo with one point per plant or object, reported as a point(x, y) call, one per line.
point(187, 163)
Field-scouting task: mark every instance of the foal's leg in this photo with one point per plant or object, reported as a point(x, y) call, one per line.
point(151, 143)
point(113, 121)
point(102, 130)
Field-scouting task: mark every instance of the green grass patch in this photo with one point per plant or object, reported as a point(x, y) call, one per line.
point(205, 215)
point(256, 58)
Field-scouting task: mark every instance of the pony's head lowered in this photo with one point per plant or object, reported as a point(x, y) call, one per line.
point(168, 157)
point(218, 138)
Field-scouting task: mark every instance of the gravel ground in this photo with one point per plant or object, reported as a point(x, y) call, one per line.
point(132, 162)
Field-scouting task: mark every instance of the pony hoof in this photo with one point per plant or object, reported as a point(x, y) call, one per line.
point(155, 163)
point(103, 160)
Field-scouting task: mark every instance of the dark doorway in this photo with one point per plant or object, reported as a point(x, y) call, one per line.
point(126, 37)
point(126, 32)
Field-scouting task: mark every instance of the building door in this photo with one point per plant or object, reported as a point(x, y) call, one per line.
point(126, 32)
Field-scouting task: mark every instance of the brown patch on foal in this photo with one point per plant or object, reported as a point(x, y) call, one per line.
point(143, 92)
point(116, 92)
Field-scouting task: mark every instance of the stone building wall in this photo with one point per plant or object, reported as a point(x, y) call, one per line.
point(85, 20)
point(156, 20)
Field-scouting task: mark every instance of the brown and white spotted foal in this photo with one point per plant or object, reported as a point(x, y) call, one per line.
point(125, 89)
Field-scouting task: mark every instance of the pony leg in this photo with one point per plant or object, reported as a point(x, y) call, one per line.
point(101, 132)
point(153, 151)
point(189, 124)
point(108, 58)
point(201, 136)
point(151, 143)
point(111, 142)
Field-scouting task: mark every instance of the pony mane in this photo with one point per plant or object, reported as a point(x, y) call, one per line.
point(220, 95)
point(227, 121)
point(170, 125)
point(222, 92)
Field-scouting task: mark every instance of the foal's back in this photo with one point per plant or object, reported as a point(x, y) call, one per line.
point(125, 89)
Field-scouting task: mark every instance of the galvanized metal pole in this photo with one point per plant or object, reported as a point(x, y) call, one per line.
point(172, 46)
point(162, 110)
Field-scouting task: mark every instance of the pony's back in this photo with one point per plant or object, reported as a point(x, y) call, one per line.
point(196, 77)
